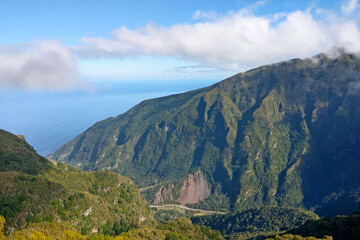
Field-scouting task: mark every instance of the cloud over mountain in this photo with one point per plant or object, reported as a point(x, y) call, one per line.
point(234, 40)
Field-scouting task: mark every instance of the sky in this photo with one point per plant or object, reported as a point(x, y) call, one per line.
point(61, 45)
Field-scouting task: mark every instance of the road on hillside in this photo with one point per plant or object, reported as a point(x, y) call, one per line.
point(186, 208)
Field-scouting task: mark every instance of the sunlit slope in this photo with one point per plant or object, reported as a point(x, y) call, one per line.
point(32, 189)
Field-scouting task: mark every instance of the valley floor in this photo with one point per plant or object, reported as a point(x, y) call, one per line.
point(187, 208)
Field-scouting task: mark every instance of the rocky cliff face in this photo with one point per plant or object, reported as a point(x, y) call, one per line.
point(194, 189)
point(286, 134)
point(164, 194)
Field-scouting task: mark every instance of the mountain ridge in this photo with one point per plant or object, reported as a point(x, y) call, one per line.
point(262, 137)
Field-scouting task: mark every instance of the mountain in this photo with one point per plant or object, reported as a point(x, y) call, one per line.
point(33, 190)
point(285, 134)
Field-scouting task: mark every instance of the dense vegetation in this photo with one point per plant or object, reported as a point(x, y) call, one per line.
point(33, 190)
point(262, 137)
point(171, 213)
point(339, 227)
point(180, 229)
point(257, 221)
point(297, 237)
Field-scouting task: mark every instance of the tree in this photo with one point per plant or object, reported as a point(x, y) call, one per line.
point(2, 222)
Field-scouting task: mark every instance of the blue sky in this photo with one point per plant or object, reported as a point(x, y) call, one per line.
point(60, 44)
point(69, 20)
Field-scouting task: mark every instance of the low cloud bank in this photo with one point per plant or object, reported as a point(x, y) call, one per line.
point(37, 66)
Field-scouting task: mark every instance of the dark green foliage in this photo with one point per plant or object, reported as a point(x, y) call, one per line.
point(256, 221)
point(107, 229)
point(340, 227)
point(118, 227)
point(346, 202)
point(122, 226)
point(27, 200)
point(10, 206)
point(211, 234)
point(174, 236)
point(216, 202)
point(285, 135)
point(183, 228)
point(166, 215)
point(297, 237)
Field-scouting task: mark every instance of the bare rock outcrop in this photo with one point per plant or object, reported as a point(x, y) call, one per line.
point(164, 193)
point(194, 189)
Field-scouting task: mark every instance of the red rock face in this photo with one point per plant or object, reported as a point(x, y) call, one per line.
point(194, 189)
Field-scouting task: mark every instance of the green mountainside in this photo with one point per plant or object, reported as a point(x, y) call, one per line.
point(286, 134)
point(256, 222)
point(33, 190)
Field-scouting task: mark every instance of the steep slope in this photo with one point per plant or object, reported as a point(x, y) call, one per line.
point(285, 134)
point(32, 189)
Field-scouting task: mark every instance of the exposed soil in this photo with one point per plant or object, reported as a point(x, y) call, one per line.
point(194, 189)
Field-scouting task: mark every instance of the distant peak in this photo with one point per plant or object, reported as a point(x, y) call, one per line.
point(333, 54)
point(339, 52)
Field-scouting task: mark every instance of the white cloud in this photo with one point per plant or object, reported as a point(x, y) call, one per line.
point(232, 41)
point(235, 41)
point(204, 15)
point(40, 65)
point(349, 6)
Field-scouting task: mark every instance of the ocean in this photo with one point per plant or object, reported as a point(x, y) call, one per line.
point(49, 119)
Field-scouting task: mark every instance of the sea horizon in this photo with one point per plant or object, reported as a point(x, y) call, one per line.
point(49, 119)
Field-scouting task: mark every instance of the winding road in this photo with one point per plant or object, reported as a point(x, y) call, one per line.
point(187, 208)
